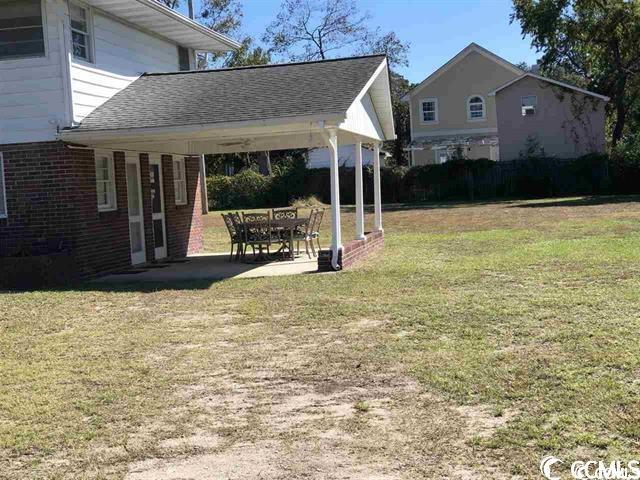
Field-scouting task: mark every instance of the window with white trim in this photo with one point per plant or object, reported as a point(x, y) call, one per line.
point(429, 110)
point(105, 182)
point(529, 105)
point(3, 193)
point(21, 29)
point(179, 181)
point(475, 108)
point(80, 32)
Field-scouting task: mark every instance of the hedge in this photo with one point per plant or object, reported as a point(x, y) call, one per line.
point(454, 180)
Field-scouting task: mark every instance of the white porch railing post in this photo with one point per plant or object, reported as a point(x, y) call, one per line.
point(336, 230)
point(359, 194)
point(377, 193)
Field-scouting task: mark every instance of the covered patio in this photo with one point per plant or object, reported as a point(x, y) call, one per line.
point(251, 109)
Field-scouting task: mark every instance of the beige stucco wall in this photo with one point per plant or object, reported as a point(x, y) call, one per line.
point(566, 124)
point(473, 75)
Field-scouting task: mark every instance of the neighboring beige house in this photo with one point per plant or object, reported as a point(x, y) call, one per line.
point(482, 106)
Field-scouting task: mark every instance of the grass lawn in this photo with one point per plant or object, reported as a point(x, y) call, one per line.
point(484, 337)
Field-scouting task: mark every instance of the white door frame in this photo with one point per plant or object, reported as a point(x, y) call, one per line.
point(138, 257)
point(161, 252)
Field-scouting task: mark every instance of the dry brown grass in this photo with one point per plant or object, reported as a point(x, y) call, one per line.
point(483, 338)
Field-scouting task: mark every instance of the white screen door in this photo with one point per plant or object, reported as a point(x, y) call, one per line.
point(157, 208)
point(136, 218)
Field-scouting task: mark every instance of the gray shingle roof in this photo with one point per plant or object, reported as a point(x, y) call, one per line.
point(240, 94)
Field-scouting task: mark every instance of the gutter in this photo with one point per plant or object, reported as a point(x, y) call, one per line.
point(229, 42)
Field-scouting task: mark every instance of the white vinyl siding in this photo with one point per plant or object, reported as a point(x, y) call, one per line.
point(429, 110)
point(21, 29)
point(32, 103)
point(179, 181)
point(105, 182)
point(476, 109)
point(121, 54)
point(3, 192)
point(81, 42)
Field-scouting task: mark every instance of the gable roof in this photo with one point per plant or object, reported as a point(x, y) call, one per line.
point(550, 80)
point(156, 17)
point(472, 47)
point(245, 94)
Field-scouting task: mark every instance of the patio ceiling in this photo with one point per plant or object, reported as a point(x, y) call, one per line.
point(246, 109)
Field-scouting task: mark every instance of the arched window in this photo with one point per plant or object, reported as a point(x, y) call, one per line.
point(475, 108)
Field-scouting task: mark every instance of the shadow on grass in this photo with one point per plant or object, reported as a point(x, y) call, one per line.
point(580, 202)
point(194, 273)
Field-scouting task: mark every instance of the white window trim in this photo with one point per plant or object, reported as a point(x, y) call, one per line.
point(484, 109)
point(112, 176)
point(90, 35)
point(4, 213)
point(45, 55)
point(535, 107)
point(179, 184)
point(437, 111)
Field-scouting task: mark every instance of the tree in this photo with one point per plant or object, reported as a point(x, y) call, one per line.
point(597, 41)
point(316, 30)
point(399, 87)
point(247, 55)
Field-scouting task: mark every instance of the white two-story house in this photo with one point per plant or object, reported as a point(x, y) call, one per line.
point(479, 105)
point(59, 61)
point(103, 121)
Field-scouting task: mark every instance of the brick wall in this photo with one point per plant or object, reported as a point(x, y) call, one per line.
point(51, 194)
point(102, 238)
point(184, 222)
point(352, 252)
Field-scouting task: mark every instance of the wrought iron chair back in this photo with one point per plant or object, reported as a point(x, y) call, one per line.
point(284, 213)
point(315, 230)
point(234, 234)
point(257, 228)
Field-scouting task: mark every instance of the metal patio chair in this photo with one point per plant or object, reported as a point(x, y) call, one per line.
point(235, 235)
point(258, 233)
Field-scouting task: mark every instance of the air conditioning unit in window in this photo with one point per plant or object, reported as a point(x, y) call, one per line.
point(528, 110)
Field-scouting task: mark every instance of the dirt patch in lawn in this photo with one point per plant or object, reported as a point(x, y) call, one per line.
point(268, 411)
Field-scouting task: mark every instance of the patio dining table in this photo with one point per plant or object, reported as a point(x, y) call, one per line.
point(288, 225)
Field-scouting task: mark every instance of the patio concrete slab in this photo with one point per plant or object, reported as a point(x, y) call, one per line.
point(212, 266)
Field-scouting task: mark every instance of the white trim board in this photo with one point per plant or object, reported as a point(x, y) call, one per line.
point(444, 133)
point(549, 80)
point(473, 47)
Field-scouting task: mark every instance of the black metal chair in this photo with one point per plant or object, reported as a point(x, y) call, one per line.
point(235, 235)
point(258, 233)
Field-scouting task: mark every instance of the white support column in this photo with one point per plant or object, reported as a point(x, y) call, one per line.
point(336, 230)
point(204, 196)
point(377, 192)
point(359, 194)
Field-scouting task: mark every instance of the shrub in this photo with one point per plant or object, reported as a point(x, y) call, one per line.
point(307, 202)
point(248, 189)
point(462, 179)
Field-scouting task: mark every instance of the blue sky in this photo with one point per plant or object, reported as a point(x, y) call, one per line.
point(436, 29)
